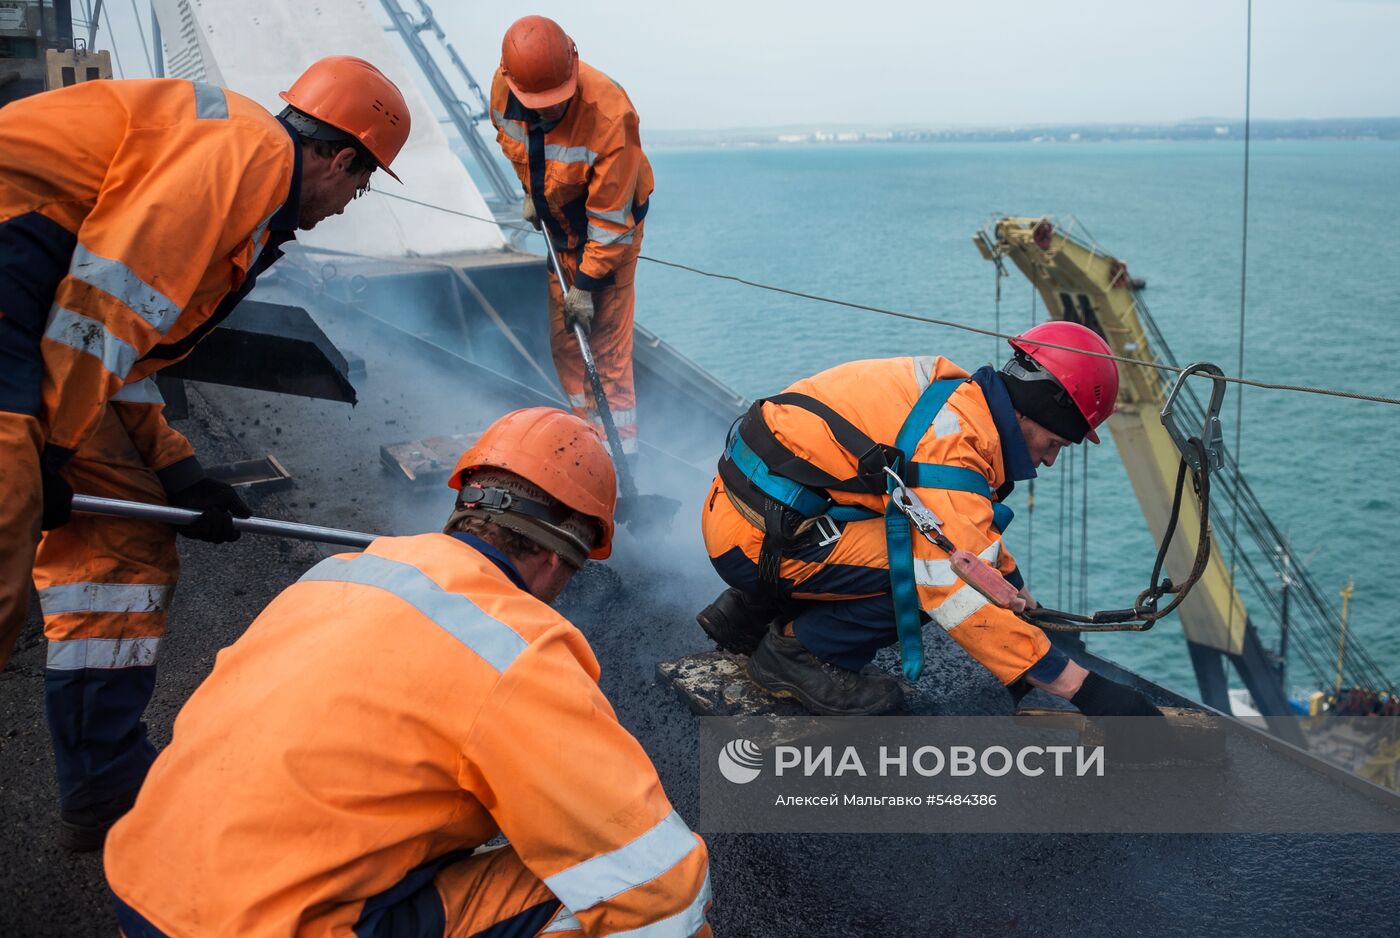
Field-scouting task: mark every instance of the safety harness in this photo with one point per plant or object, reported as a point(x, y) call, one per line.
point(789, 498)
point(783, 495)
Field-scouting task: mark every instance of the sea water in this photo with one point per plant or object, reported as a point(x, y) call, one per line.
point(891, 225)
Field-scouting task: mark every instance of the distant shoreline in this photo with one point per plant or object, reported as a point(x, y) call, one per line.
point(1205, 129)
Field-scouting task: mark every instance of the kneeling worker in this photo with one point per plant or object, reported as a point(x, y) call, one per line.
point(394, 710)
point(798, 520)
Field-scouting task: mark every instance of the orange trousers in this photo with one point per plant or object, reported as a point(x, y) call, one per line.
point(611, 342)
point(104, 587)
point(21, 509)
point(103, 578)
point(492, 890)
point(489, 893)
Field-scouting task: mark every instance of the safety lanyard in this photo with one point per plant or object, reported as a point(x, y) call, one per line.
point(904, 513)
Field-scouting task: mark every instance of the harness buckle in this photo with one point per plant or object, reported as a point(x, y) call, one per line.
point(827, 528)
point(873, 462)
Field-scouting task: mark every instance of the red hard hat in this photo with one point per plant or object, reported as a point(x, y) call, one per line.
point(539, 62)
point(556, 451)
point(353, 96)
point(1092, 383)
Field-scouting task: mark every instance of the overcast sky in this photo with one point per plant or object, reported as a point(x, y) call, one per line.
point(731, 63)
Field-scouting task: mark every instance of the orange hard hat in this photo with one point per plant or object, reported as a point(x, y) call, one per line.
point(539, 62)
point(1089, 382)
point(356, 98)
point(556, 451)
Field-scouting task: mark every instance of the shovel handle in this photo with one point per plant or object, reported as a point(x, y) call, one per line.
point(626, 486)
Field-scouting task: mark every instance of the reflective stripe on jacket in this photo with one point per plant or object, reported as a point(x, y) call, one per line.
point(877, 396)
point(389, 708)
point(589, 169)
point(163, 190)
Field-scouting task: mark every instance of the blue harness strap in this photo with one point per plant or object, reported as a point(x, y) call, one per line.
point(899, 539)
point(807, 502)
point(922, 475)
point(810, 502)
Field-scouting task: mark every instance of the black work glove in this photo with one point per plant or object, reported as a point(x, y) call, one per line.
point(1018, 690)
point(218, 505)
point(58, 499)
point(1100, 697)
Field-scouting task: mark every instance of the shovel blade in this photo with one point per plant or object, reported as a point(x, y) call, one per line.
point(646, 515)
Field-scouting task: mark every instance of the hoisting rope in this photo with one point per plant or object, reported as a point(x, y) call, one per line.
point(1143, 614)
point(1083, 527)
point(1201, 454)
point(913, 317)
point(1244, 267)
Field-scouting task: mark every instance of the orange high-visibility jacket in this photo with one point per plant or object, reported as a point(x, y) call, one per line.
point(589, 170)
point(876, 396)
point(167, 186)
point(388, 708)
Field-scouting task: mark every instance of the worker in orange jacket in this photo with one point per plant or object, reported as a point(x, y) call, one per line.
point(573, 137)
point(134, 216)
point(392, 711)
point(797, 522)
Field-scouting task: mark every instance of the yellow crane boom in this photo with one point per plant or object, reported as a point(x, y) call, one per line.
point(1078, 282)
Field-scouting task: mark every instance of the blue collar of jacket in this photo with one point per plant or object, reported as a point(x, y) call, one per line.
point(515, 111)
point(493, 554)
point(288, 216)
point(1015, 457)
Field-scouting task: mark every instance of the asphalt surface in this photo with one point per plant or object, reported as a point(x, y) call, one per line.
point(636, 610)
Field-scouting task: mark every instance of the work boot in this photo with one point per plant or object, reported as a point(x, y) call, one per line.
point(85, 829)
point(784, 668)
point(736, 621)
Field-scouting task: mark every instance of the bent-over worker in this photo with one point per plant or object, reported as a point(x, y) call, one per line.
point(342, 767)
point(134, 216)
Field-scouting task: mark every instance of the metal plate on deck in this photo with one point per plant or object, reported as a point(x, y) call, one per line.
point(715, 684)
point(261, 475)
point(429, 460)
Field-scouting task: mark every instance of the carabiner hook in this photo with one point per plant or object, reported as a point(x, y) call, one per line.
point(1211, 437)
point(908, 504)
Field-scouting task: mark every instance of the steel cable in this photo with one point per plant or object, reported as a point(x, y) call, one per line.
point(929, 320)
point(1321, 613)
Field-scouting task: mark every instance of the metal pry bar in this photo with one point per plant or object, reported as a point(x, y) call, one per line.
point(180, 516)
